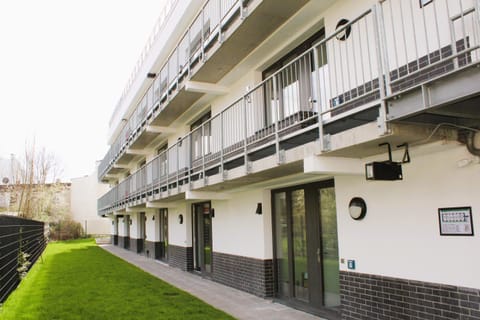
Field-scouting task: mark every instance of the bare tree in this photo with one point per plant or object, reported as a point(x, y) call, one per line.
point(37, 184)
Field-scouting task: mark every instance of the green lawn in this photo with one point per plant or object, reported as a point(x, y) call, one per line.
point(78, 280)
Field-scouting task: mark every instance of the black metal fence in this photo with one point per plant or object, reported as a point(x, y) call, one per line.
point(19, 239)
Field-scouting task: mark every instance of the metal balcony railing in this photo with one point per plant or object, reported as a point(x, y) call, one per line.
point(387, 50)
point(197, 40)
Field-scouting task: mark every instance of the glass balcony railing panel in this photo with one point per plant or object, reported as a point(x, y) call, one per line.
point(150, 99)
point(163, 86)
point(183, 55)
point(183, 154)
point(348, 68)
point(172, 70)
point(428, 41)
point(172, 160)
point(131, 123)
point(215, 139)
point(156, 90)
point(210, 19)
point(233, 127)
point(198, 30)
point(162, 165)
point(196, 137)
point(155, 170)
point(130, 185)
point(138, 176)
point(227, 6)
point(142, 114)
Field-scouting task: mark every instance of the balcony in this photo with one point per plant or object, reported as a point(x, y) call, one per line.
point(382, 77)
point(208, 50)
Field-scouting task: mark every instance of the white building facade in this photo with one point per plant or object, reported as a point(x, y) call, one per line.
point(322, 153)
point(83, 194)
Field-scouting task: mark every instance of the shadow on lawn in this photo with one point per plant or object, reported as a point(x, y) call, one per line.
point(79, 280)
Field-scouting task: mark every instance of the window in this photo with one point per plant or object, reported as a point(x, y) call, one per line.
point(162, 160)
point(293, 91)
point(201, 135)
point(163, 148)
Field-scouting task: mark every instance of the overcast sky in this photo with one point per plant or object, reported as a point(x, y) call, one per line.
point(63, 66)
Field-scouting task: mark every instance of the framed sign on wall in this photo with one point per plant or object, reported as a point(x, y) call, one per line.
point(455, 221)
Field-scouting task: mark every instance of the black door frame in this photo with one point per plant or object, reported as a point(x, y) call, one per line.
point(199, 241)
point(163, 228)
point(315, 305)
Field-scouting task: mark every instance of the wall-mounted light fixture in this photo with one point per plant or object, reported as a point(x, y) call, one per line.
point(212, 213)
point(130, 221)
point(153, 217)
point(357, 208)
point(259, 208)
point(151, 75)
point(180, 218)
point(388, 169)
point(345, 33)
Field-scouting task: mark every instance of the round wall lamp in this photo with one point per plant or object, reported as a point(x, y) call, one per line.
point(345, 33)
point(180, 218)
point(357, 208)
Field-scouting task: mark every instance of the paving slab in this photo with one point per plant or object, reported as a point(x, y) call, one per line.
point(239, 304)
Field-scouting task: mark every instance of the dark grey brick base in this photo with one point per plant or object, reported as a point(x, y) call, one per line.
point(115, 239)
point(124, 242)
point(375, 297)
point(247, 274)
point(136, 245)
point(153, 249)
point(180, 257)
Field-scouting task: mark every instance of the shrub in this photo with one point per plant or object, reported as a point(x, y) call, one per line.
point(65, 229)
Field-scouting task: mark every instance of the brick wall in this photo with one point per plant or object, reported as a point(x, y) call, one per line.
point(136, 245)
point(375, 297)
point(124, 242)
point(154, 249)
point(247, 274)
point(180, 257)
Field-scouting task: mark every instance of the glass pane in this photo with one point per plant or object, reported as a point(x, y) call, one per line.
point(164, 233)
point(208, 242)
point(197, 237)
point(328, 216)
point(299, 233)
point(207, 237)
point(281, 238)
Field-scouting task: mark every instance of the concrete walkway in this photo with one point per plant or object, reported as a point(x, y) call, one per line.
point(239, 304)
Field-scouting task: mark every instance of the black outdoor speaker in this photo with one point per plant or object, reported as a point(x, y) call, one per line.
point(384, 170)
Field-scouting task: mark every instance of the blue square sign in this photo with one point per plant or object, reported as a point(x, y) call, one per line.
point(351, 264)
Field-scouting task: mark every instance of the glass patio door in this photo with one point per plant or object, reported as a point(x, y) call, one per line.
point(306, 247)
point(202, 237)
point(163, 234)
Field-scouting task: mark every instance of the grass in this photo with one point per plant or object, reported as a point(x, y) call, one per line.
point(78, 280)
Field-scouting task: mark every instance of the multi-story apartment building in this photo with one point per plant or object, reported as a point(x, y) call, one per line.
point(323, 153)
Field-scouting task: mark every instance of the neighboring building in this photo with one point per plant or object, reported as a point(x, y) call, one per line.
point(83, 205)
point(9, 169)
point(48, 201)
point(248, 147)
